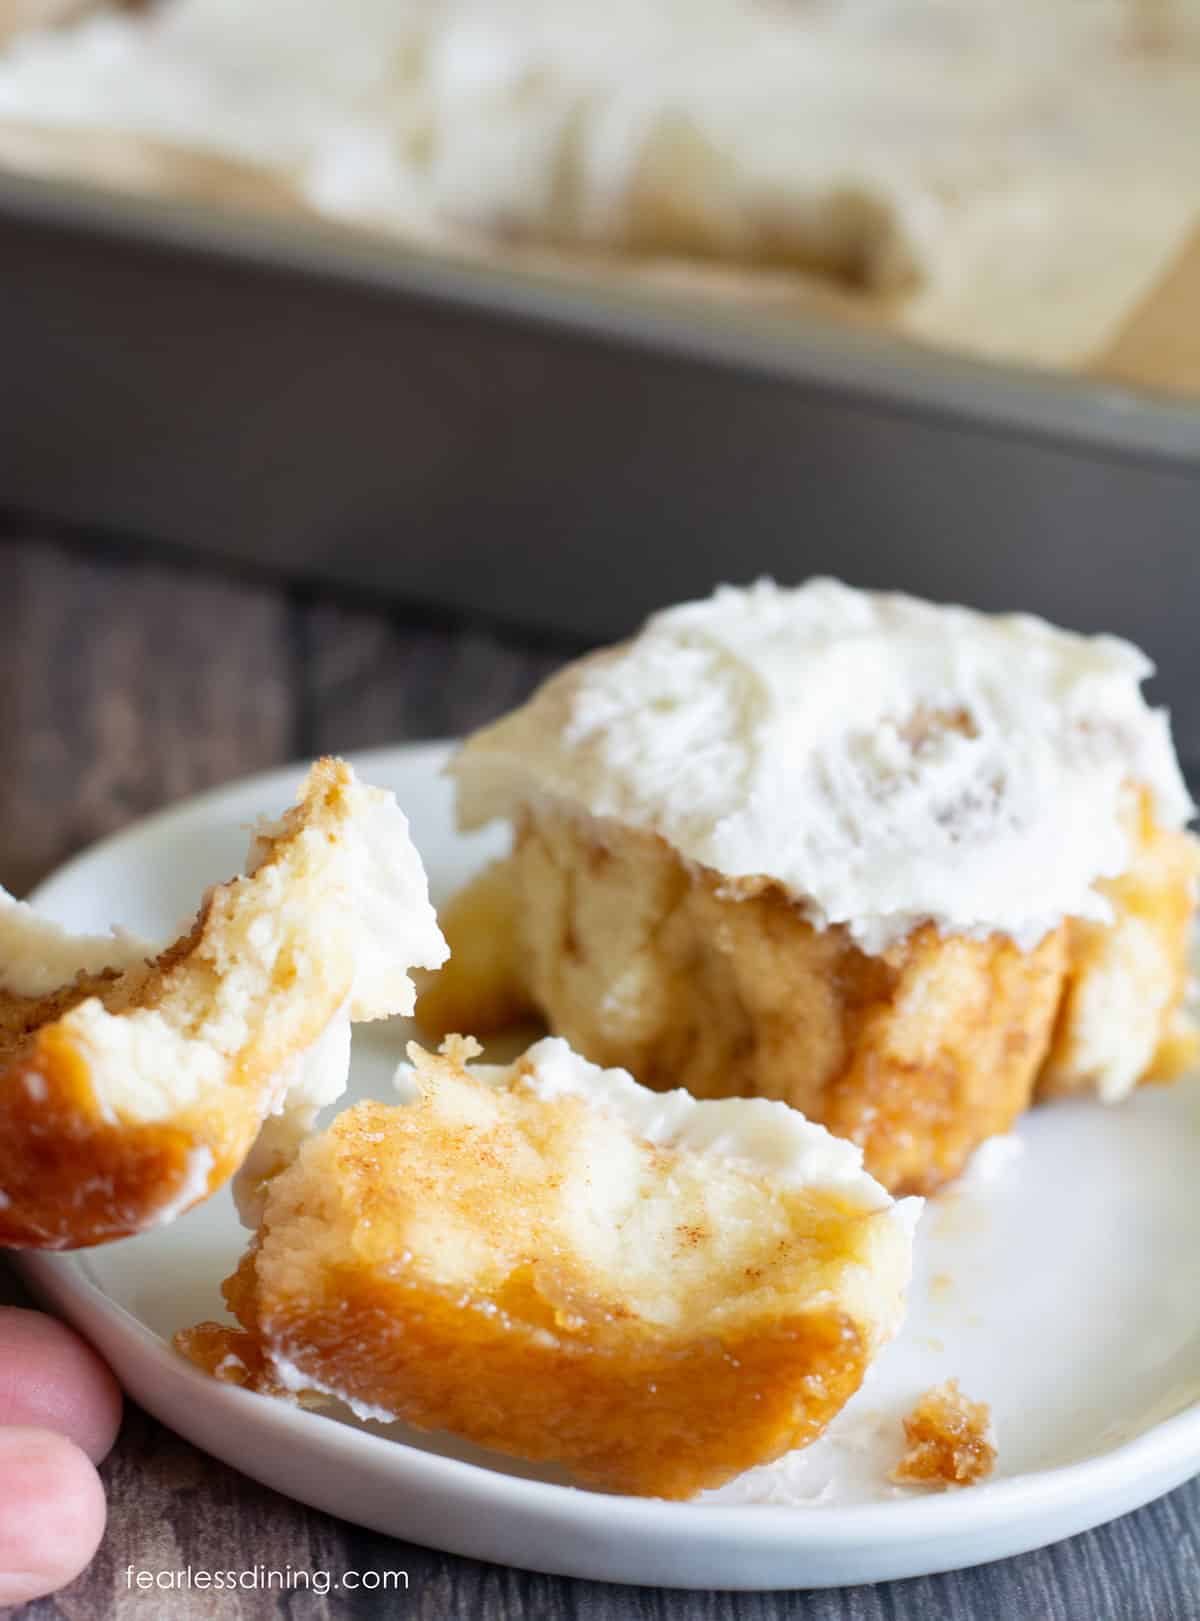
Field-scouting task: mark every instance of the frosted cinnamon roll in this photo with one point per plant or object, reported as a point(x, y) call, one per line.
point(897, 864)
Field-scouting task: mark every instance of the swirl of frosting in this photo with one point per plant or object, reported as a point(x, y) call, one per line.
point(887, 761)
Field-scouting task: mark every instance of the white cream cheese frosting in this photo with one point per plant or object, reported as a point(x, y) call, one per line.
point(387, 895)
point(965, 151)
point(38, 956)
point(887, 761)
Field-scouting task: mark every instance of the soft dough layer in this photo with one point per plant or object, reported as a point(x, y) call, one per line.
point(130, 1092)
point(556, 1263)
point(917, 1054)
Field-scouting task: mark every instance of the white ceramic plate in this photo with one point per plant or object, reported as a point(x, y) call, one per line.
point(1062, 1289)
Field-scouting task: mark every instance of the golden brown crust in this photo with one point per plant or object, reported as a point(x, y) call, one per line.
point(71, 1177)
point(530, 1351)
point(639, 1415)
point(949, 1440)
point(75, 1171)
point(232, 1355)
point(947, 1057)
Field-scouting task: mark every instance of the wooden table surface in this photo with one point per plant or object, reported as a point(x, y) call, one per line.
point(127, 683)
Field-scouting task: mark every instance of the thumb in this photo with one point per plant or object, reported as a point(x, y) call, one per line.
point(51, 1513)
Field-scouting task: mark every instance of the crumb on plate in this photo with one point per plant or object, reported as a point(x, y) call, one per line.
point(950, 1440)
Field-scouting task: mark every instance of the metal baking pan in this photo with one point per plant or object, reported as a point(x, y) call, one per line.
point(559, 454)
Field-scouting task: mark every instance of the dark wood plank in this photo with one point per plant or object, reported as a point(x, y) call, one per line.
point(124, 685)
point(373, 679)
point(129, 684)
point(171, 1507)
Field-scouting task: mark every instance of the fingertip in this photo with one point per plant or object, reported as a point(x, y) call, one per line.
point(52, 1379)
point(52, 1513)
